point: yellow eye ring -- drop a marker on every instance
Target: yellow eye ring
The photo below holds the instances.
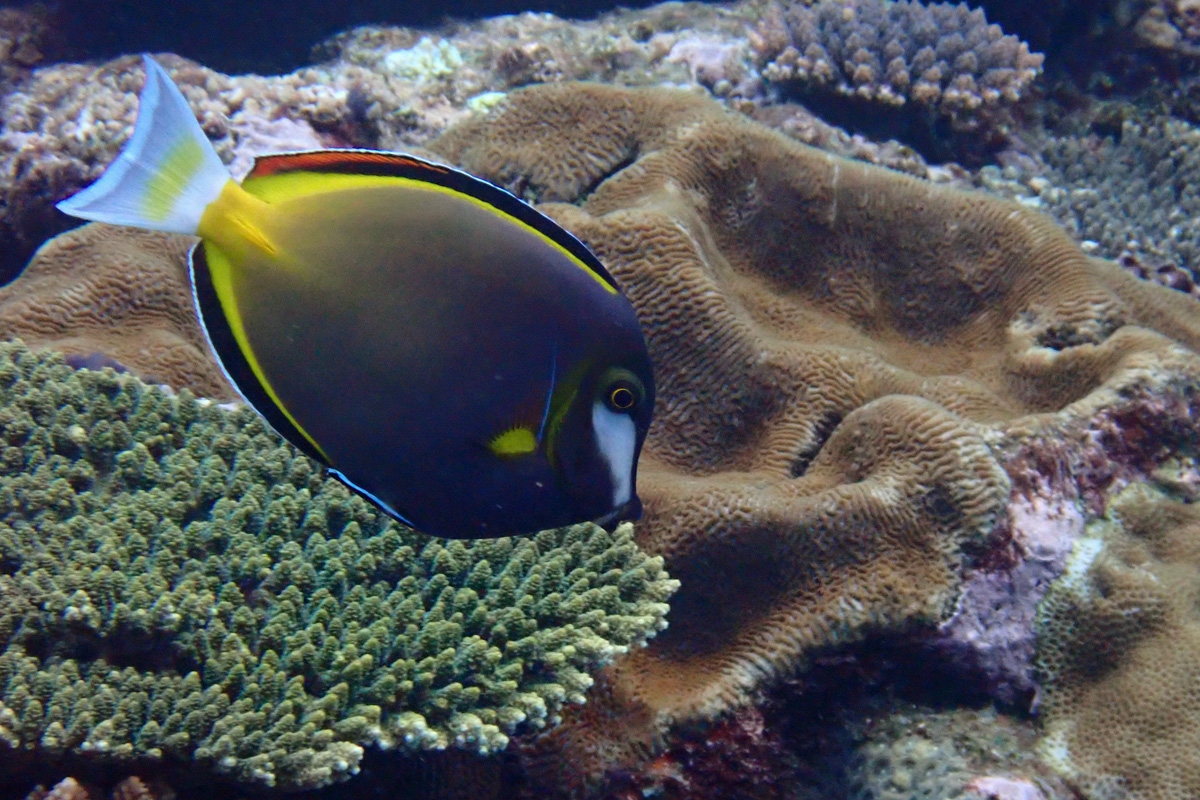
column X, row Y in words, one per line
column 622, row 398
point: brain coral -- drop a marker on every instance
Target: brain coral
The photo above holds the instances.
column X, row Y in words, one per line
column 139, row 311
column 845, row 354
column 177, row 583
column 942, row 56
column 1119, row 650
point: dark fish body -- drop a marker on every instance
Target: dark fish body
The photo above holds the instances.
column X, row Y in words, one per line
column 441, row 346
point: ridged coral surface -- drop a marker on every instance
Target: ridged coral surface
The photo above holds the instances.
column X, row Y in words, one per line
column 1119, row 647
column 139, row 313
column 844, row 355
column 176, row 582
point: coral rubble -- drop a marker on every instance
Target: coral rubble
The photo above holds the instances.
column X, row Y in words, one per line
column 177, row 583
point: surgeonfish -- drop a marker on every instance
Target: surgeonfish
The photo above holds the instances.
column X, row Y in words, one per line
column 442, row 347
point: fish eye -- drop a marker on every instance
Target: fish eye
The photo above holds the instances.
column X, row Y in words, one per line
column 621, row 391
column 621, row 398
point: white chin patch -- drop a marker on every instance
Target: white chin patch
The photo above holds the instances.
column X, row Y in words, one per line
column 617, row 437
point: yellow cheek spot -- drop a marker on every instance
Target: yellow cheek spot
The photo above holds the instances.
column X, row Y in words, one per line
column 513, row 442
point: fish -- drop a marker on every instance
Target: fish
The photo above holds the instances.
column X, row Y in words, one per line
column 439, row 345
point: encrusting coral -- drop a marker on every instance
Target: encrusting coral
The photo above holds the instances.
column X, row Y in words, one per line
column 1119, row 645
column 176, row 582
column 845, row 357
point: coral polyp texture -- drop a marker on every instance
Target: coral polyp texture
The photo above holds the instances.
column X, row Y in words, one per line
column 941, row 56
column 848, row 360
column 1135, row 194
column 1119, row 648
column 179, row 584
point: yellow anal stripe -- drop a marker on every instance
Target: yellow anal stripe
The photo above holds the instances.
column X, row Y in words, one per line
column 235, row 223
column 517, row 441
column 221, row 270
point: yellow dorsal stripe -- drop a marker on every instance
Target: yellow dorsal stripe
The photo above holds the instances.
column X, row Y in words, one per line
column 289, row 185
column 232, row 218
column 517, row 441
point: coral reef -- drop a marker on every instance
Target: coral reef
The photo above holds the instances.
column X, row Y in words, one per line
column 740, row 755
column 914, row 753
column 941, row 57
column 875, row 725
column 131, row 788
column 382, row 87
column 889, row 410
column 992, row 631
column 1171, row 25
column 138, row 313
column 858, row 370
column 1135, row 195
column 1119, row 641
column 909, row 767
column 391, row 88
column 24, row 34
column 844, row 357
column 178, row 583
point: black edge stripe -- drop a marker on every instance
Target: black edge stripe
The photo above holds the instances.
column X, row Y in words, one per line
column 419, row 169
column 237, row 369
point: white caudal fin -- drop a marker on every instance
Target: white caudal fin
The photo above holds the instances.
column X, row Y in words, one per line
column 168, row 173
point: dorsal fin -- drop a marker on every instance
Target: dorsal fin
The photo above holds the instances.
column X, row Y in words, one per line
column 354, row 162
column 408, row 167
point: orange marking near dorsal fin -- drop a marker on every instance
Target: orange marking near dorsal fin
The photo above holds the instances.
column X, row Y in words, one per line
column 347, row 161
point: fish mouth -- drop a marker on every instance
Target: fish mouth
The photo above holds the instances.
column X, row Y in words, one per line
column 626, row 512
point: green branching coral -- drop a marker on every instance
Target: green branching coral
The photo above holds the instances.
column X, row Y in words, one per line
column 176, row 582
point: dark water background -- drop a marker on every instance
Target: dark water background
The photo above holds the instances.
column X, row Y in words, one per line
column 276, row 36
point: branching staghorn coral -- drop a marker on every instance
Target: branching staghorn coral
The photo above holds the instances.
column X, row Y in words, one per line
column 175, row 582
column 939, row 56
